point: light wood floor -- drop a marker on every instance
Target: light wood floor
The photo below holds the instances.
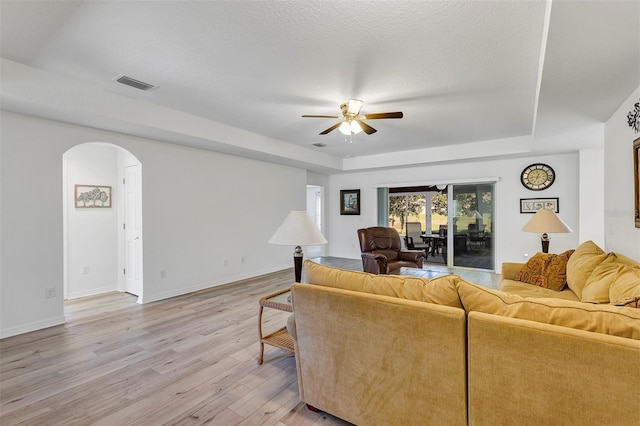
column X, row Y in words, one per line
column 187, row 360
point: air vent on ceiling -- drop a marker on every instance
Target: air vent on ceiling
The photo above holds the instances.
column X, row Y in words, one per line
column 319, row 144
column 141, row 85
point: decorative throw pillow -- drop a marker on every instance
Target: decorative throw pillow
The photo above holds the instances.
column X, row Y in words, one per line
column 581, row 265
column 625, row 289
column 596, row 289
column 546, row 270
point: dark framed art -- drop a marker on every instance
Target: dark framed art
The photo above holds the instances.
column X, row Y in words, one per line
column 636, row 180
column 349, row 201
column 532, row 205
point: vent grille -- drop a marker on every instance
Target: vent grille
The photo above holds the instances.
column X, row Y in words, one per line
column 137, row 84
column 319, row 144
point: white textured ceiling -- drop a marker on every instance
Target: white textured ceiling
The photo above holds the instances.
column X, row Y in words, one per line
column 461, row 71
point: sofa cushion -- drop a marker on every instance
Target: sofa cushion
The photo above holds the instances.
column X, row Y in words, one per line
column 441, row 290
column 625, row 290
column 546, row 270
column 528, row 290
column 605, row 319
column 596, row 288
column 581, row 264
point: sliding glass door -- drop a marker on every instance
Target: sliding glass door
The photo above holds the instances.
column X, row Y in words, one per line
column 472, row 223
column 457, row 220
column 405, row 208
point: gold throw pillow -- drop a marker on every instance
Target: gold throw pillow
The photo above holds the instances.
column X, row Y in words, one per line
column 581, row 265
column 625, row 289
column 596, row 289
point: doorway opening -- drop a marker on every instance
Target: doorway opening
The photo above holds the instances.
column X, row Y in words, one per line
column 102, row 241
column 315, row 208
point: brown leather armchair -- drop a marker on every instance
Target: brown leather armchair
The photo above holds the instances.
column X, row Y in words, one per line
column 382, row 251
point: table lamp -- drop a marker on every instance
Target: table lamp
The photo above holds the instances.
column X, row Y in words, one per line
column 298, row 230
column 546, row 221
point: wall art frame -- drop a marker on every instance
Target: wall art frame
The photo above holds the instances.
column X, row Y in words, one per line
column 92, row 196
column 532, row 205
column 350, row 201
column 636, row 181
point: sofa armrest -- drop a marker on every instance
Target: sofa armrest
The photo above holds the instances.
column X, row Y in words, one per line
column 374, row 263
column 291, row 327
column 510, row 270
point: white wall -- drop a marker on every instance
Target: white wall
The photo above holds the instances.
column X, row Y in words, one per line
column 621, row 235
column 591, row 180
column 511, row 243
column 91, row 233
column 200, row 208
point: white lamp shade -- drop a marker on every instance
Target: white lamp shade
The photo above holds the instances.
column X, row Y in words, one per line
column 546, row 221
column 298, row 230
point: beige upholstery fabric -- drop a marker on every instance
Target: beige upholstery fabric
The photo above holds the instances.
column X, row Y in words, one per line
column 596, row 288
column 528, row 290
column 530, row 374
column 605, row 319
column 581, row 264
column 377, row 360
column 510, row 270
column 441, row 290
column 626, row 287
column 374, row 357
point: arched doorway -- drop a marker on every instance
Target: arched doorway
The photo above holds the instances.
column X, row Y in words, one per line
column 102, row 229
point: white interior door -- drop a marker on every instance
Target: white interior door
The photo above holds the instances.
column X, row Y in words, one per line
column 133, row 229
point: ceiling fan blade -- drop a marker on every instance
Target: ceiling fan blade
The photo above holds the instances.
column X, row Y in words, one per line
column 320, row 116
column 335, row 126
column 366, row 128
column 379, row 115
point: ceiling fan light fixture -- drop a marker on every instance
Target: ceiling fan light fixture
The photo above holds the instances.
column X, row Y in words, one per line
column 350, row 128
column 354, row 106
column 352, row 122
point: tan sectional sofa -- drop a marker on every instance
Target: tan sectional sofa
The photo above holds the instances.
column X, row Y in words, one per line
column 401, row 350
column 593, row 276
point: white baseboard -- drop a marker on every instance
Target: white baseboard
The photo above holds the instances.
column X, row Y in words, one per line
column 34, row 326
column 91, row 292
column 202, row 286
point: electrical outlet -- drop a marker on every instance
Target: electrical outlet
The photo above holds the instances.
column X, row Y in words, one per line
column 85, row 270
column 242, row 259
column 226, row 262
column 49, row 292
column 163, row 274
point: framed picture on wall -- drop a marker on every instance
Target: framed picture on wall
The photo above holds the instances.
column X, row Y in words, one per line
column 92, row 196
column 532, row 205
column 350, row 201
column 636, row 180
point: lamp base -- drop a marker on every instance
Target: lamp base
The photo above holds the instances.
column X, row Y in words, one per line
column 297, row 263
column 545, row 243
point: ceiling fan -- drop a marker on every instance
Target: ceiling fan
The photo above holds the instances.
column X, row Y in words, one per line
column 351, row 120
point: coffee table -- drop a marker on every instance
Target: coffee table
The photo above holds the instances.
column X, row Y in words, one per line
column 280, row 300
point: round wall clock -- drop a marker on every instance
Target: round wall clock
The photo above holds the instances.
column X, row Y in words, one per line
column 537, row 177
